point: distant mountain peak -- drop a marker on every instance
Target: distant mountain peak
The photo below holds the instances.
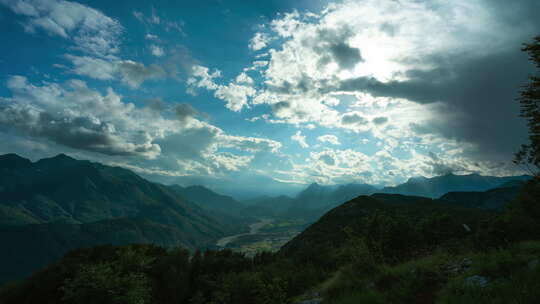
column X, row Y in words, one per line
column 11, row 156
column 14, row 161
column 314, row 184
column 199, row 187
column 439, row 185
column 63, row 157
column 58, row 159
column 417, row 179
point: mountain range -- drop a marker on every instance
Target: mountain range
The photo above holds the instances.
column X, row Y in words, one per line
column 330, row 230
column 321, row 198
column 210, row 200
column 437, row 186
column 56, row 204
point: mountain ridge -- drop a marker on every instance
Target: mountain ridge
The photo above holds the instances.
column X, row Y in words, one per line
column 83, row 196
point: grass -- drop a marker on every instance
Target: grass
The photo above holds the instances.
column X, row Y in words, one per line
column 362, row 296
column 513, row 276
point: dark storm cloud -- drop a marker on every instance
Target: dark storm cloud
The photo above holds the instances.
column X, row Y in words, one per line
column 189, row 144
column 82, row 133
column 285, row 108
column 380, row 120
column 334, row 47
column 135, row 73
column 279, row 106
column 156, row 104
column 439, row 167
column 475, row 97
column 346, row 56
column 184, row 111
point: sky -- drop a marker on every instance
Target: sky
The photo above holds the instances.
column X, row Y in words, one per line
column 265, row 97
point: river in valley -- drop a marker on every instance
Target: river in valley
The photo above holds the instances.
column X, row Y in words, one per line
column 253, row 229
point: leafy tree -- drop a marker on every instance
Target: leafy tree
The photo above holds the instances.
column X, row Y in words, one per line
column 104, row 283
column 529, row 100
column 122, row 281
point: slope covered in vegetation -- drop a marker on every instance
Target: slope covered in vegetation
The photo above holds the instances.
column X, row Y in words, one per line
column 381, row 249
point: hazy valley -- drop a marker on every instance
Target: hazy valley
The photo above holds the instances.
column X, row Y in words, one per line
column 58, row 204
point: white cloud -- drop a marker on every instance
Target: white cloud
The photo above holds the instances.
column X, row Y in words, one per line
column 244, row 78
column 236, row 96
column 259, row 41
column 156, row 50
column 135, row 73
column 250, row 144
column 331, row 139
column 77, row 117
column 92, row 67
column 300, row 139
column 201, row 77
column 151, row 37
column 92, row 31
column 130, row 72
column 319, row 56
column 154, row 20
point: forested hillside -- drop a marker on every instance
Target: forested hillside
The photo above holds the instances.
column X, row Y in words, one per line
column 60, row 203
column 379, row 249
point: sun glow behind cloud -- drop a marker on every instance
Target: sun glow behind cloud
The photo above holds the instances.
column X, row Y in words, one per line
column 359, row 91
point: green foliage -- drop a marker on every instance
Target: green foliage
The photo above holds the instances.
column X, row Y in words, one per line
column 530, row 109
column 513, row 276
column 171, row 275
column 520, row 222
column 364, row 296
column 122, row 280
column 388, row 237
column 149, row 274
column 366, row 251
column 106, row 283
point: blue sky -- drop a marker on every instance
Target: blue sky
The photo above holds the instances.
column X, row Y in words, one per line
column 267, row 96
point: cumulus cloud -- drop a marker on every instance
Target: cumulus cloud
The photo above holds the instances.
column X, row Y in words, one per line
column 420, row 82
column 353, row 119
column 336, row 166
column 331, row 139
column 244, row 78
column 130, row 72
column 156, row 50
column 235, row 94
column 440, row 56
column 134, row 73
column 381, row 120
column 162, row 136
column 92, row 31
column 300, row 139
column 259, row 41
column 77, row 117
column 250, row 144
column 201, row 77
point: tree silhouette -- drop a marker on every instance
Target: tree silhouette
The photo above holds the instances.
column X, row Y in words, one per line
column 529, row 100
